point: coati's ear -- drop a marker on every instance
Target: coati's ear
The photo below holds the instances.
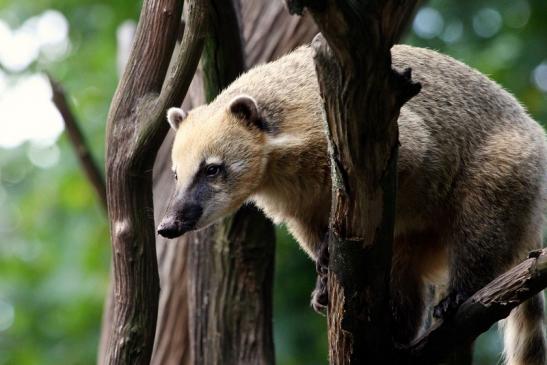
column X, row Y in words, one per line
column 175, row 116
column 246, row 108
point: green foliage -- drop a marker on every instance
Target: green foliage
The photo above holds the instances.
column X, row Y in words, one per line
column 54, row 246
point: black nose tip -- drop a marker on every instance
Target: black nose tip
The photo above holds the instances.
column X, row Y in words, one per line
column 168, row 231
column 170, row 228
column 175, row 225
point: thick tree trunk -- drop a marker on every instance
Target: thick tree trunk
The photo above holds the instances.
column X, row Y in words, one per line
column 230, row 286
column 363, row 96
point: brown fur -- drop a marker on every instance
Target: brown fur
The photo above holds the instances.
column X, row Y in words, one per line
column 472, row 176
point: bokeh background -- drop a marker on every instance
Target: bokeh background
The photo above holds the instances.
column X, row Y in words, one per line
column 54, row 245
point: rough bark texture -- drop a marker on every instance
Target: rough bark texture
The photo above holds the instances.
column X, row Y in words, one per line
column 476, row 315
column 230, row 278
column 231, row 264
column 135, row 131
column 363, row 96
column 268, row 32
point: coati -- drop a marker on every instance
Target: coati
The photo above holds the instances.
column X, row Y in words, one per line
column 472, row 177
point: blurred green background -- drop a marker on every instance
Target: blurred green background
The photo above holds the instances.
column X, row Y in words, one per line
column 54, row 246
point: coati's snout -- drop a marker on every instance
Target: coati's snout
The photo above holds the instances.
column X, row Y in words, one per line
column 176, row 223
column 218, row 161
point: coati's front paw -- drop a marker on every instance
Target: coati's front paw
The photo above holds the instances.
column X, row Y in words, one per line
column 320, row 296
column 449, row 305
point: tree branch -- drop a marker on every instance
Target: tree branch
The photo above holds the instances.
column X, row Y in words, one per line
column 183, row 66
column 363, row 96
column 77, row 139
column 476, row 315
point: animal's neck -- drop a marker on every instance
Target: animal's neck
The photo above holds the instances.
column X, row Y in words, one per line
column 296, row 179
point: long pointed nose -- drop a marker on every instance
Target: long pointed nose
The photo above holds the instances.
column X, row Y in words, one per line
column 176, row 224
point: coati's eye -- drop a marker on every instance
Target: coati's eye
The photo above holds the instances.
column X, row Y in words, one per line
column 212, row 170
column 175, row 175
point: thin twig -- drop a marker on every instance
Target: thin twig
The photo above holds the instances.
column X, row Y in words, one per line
column 78, row 141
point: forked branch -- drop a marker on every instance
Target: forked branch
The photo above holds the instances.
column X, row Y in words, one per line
column 135, row 131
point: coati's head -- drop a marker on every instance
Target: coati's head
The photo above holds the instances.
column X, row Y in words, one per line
column 218, row 160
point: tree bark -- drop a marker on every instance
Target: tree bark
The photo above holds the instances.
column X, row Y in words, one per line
column 363, row 96
column 135, row 130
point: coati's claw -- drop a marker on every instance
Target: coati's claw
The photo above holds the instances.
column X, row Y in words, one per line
column 448, row 306
column 320, row 296
column 319, row 302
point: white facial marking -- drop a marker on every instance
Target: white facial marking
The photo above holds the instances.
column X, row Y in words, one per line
column 213, row 160
column 185, row 178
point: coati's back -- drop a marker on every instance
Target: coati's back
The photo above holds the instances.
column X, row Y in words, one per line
column 461, row 128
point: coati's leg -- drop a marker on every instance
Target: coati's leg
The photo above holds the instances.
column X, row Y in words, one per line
column 479, row 250
column 475, row 265
column 407, row 296
column 483, row 244
column 409, row 293
column 320, row 295
column 495, row 220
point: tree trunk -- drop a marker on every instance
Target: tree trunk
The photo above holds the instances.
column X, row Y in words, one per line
column 135, row 130
column 363, row 96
